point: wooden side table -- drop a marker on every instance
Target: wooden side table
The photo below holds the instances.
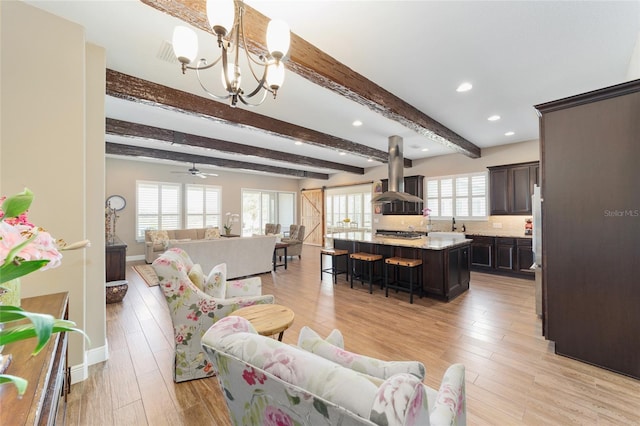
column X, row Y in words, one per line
column 267, row 319
column 116, row 259
column 47, row 372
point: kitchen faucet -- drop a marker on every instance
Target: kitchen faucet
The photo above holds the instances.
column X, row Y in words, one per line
column 453, row 224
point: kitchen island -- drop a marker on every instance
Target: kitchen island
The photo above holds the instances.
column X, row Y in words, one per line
column 446, row 262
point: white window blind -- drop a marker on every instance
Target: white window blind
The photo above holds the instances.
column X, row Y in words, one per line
column 349, row 202
column 157, row 206
column 202, row 206
column 459, row 196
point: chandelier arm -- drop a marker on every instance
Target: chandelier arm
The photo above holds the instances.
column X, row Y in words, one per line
column 204, row 67
column 242, row 99
column 210, row 93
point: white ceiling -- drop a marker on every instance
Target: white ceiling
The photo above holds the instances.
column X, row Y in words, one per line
column 516, row 54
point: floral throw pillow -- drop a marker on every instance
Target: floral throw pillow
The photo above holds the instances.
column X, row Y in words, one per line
column 310, row 341
column 159, row 238
column 197, row 276
column 216, row 283
column 212, row 233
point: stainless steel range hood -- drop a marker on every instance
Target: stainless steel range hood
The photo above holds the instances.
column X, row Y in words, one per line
column 396, row 176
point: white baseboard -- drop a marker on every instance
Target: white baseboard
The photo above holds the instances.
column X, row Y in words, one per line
column 135, row 257
column 80, row 372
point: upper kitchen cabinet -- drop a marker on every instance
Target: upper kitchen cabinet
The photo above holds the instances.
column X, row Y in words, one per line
column 511, row 188
column 413, row 185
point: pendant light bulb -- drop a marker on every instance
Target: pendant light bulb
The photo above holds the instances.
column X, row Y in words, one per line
column 185, row 44
column 221, row 15
column 278, row 38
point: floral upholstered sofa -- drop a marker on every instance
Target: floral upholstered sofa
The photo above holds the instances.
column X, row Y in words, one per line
column 267, row 382
column 196, row 302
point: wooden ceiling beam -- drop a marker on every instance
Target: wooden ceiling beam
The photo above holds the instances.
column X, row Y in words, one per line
column 135, row 130
column 318, row 67
column 136, row 151
column 135, row 89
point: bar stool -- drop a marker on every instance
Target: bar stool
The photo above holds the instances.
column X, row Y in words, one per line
column 399, row 262
column 335, row 255
column 369, row 259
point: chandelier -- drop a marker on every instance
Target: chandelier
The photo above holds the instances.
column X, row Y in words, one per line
column 226, row 20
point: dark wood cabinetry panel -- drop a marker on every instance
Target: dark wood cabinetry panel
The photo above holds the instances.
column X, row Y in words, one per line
column 115, row 260
column 503, row 255
column 591, row 223
column 511, row 188
column 524, row 256
column 505, row 252
column 482, row 252
column 413, row 185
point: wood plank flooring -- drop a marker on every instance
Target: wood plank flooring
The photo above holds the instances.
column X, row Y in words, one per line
column 513, row 376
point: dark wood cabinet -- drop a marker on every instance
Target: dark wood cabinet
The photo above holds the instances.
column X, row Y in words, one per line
column 501, row 255
column 505, row 253
column 115, row 259
column 413, row 185
column 590, row 227
column 47, row 372
column 511, row 188
column 524, row 256
column 482, row 252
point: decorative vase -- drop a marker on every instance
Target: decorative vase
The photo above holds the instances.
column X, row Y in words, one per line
column 11, row 294
column 227, row 231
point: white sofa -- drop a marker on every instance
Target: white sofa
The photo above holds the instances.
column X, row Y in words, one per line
column 244, row 256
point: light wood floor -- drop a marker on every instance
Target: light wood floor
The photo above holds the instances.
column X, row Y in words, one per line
column 513, row 376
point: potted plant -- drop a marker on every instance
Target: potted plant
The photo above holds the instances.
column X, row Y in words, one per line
column 25, row 248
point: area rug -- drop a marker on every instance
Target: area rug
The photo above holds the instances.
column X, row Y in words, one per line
column 147, row 273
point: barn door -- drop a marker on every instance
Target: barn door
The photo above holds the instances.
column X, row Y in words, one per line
column 312, row 206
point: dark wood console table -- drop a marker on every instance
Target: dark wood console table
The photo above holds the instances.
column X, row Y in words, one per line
column 46, row 372
column 116, row 259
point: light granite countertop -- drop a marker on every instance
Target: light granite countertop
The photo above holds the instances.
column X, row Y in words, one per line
column 427, row 243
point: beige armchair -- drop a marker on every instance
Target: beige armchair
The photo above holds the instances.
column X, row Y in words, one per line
column 295, row 239
column 271, row 228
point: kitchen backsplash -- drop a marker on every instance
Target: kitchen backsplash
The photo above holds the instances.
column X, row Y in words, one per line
column 512, row 226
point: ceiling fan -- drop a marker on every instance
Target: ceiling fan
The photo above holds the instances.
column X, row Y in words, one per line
column 193, row 171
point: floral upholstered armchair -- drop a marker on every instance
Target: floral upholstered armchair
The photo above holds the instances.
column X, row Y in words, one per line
column 196, row 302
column 265, row 381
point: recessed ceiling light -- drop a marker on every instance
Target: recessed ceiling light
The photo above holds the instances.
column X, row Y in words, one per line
column 343, row 153
column 464, row 87
column 370, row 160
column 425, row 149
column 509, row 134
column 494, row 118
column 298, row 143
column 357, row 123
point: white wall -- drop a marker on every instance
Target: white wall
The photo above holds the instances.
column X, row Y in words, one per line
column 44, row 128
column 634, row 63
column 122, row 175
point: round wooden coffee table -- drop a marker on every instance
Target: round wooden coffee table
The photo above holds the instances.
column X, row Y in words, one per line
column 267, row 319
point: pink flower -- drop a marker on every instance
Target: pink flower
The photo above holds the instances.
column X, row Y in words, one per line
column 273, row 416
column 426, row 211
column 282, row 365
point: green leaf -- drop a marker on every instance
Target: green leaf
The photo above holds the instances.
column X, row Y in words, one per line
column 11, row 270
column 320, row 407
column 41, row 327
column 16, row 205
column 19, row 382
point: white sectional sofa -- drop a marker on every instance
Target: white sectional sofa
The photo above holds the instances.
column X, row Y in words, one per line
column 243, row 255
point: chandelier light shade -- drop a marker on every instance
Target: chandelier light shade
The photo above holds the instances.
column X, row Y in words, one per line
column 226, row 20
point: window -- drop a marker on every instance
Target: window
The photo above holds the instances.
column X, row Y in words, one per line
column 353, row 203
column 202, row 206
column 459, row 196
column 158, row 206
column 262, row 207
